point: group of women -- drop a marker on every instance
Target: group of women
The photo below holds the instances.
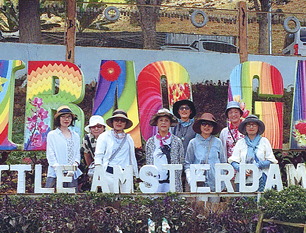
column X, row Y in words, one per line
column 180, row 140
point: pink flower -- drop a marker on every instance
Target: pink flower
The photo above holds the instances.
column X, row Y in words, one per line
column 242, row 105
column 36, row 140
column 37, row 102
column 42, row 127
column 27, row 160
column 32, row 122
column 42, row 113
column 245, row 113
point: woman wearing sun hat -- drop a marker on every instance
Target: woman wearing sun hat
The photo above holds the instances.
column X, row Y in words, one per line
column 185, row 111
column 63, row 147
column 253, row 149
column 165, row 148
column 95, row 127
column 230, row 134
column 115, row 147
column 205, row 148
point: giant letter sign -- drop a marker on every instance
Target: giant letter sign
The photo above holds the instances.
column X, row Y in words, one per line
column 149, row 90
column 118, row 77
column 270, row 85
column 41, row 99
column 7, row 87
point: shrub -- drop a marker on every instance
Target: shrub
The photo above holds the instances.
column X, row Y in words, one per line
column 97, row 212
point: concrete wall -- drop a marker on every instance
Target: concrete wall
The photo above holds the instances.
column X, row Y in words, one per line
column 200, row 66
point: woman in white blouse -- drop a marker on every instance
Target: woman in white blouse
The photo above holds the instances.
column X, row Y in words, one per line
column 253, row 149
column 63, row 147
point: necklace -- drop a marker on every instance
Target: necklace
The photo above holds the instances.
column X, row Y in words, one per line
column 184, row 131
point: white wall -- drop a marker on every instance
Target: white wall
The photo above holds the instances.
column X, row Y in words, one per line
column 200, row 66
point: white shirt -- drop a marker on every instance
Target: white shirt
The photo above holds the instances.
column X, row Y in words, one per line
column 57, row 151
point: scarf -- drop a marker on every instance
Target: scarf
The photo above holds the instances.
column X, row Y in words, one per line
column 118, row 135
column 185, row 123
column 163, row 139
column 252, row 146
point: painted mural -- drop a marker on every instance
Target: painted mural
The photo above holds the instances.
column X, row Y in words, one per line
column 270, row 85
column 149, row 91
column 298, row 123
column 8, row 69
column 50, row 85
column 117, row 84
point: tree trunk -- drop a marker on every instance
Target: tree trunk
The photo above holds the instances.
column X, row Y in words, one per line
column 263, row 27
column 148, row 19
column 29, row 21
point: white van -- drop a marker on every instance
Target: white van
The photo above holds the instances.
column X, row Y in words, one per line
column 295, row 43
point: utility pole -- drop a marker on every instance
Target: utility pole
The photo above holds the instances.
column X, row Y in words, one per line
column 243, row 32
column 70, row 42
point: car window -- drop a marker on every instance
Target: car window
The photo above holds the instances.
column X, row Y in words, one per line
column 219, row 47
column 195, row 45
column 303, row 35
column 289, row 39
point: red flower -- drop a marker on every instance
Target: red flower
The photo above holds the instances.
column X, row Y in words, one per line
column 110, row 71
column 301, row 127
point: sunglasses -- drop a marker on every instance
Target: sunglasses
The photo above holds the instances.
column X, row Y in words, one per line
column 96, row 126
column 204, row 123
column 184, row 108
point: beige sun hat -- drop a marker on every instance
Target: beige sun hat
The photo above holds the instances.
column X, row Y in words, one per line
column 163, row 112
column 64, row 110
column 206, row 117
column 119, row 113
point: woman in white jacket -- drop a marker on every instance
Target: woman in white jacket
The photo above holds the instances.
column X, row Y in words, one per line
column 253, row 149
column 115, row 147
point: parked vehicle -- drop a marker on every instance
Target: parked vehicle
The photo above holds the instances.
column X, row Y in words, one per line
column 203, row 45
column 295, row 43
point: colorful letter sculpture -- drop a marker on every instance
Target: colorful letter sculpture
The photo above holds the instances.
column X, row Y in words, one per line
column 42, row 100
column 270, row 85
column 298, row 120
column 118, row 77
column 8, row 69
column 149, row 91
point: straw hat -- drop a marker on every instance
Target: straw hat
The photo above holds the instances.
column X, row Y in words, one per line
column 119, row 113
column 95, row 120
column 233, row 104
column 163, row 112
column 206, row 117
column 64, row 110
column 251, row 118
column 178, row 104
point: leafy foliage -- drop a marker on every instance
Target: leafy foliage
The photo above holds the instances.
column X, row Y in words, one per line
column 288, row 205
column 8, row 17
column 96, row 212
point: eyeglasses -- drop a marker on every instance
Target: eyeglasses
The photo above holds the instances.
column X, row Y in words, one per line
column 184, row 108
column 204, row 123
column 119, row 120
column 96, row 126
column 253, row 125
column 66, row 116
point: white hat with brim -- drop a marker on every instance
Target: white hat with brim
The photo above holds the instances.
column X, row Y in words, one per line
column 93, row 121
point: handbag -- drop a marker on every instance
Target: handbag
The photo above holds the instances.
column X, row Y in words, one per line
column 91, row 167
